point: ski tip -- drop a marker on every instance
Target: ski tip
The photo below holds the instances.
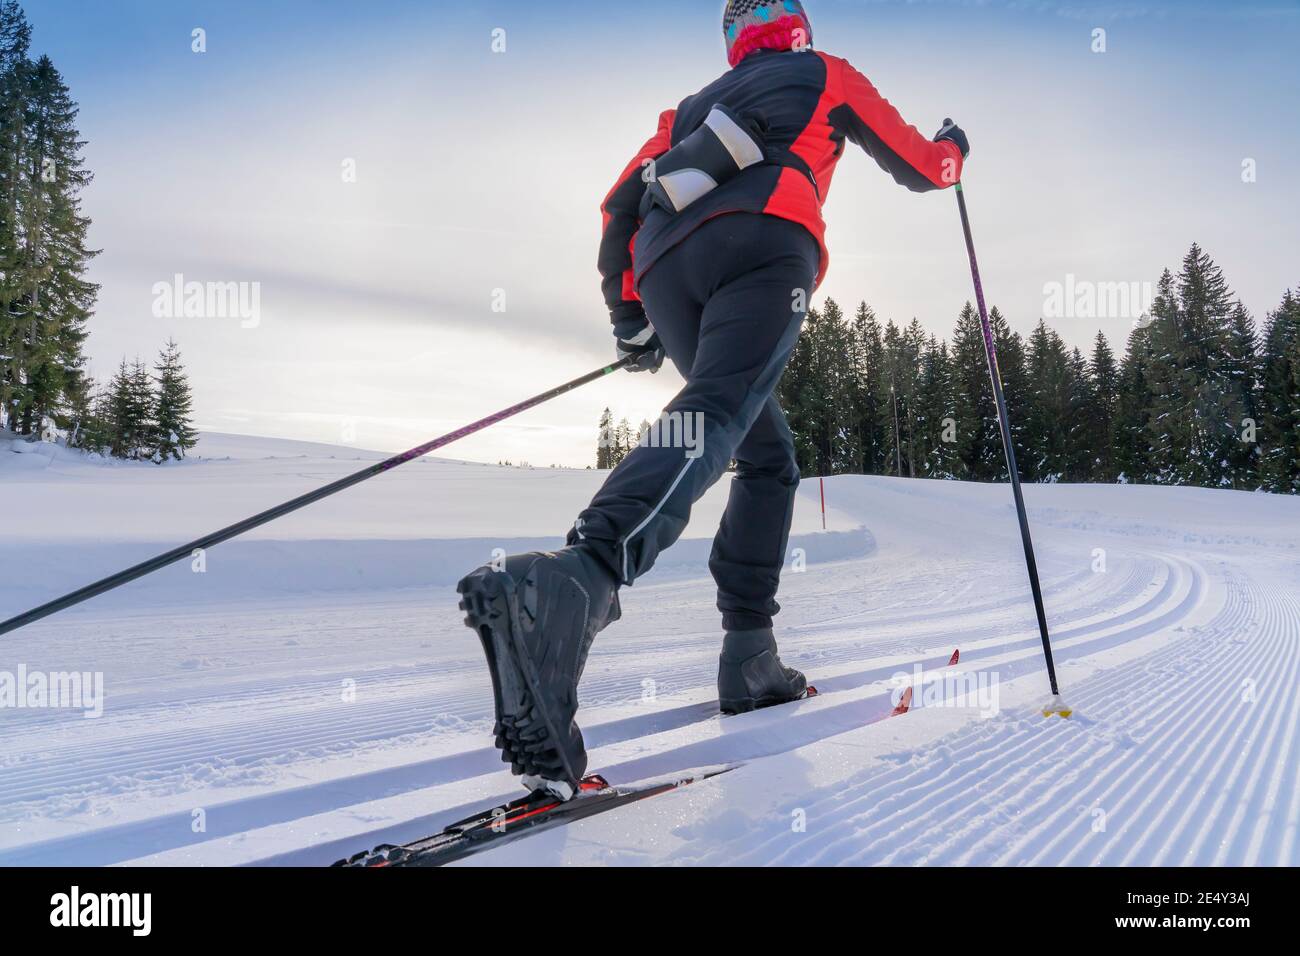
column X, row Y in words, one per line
column 956, row 656
column 811, row 692
column 672, row 781
column 904, row 703
column 704, row 773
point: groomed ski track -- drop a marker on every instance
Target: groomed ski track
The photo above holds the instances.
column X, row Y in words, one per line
column 1180, row 658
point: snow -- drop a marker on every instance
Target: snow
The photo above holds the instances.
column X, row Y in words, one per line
column 314, row 692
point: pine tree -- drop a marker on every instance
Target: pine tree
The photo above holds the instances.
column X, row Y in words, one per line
column 1197, row 401
column 1133, row 414
column 1154, row 398
column 1053, row 394
column 832, row 394
column 81, row 414
column 1242, row 372
column 57, row 299
column 1102, row 411
column 145, row 408
column 624, row 441
column 816, row 393
column 934, row 412
column 978, row 451
column 605, row 440
column 1080, row 449
column 1279, row 399
column 130, row 406
column 867, row 371
column 96, row 432
column 15, row 38
column 44, row 300
column 175, row 434
column 121, row 419
column 903, row 350
column 1015, row 389
column 914, row 345
column 894, row 401
column 1223, row 401
column 796, row 394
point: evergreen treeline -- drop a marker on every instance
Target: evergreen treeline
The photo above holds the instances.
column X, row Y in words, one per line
column 44, row 299
column 138, row 415
column 1200, row 397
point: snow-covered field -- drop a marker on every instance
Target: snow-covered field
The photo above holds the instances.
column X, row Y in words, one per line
column 313, row 691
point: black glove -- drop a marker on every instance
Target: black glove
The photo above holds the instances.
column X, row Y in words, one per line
column 645, row 346
column 636, row 336
column 953, row 134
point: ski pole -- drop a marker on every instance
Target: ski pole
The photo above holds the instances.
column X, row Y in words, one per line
column 1004, row 421
column 225, row 534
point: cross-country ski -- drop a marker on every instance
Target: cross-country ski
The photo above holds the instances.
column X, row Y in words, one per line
column 534, row 813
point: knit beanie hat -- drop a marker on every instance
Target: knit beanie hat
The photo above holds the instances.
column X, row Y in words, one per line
column 750, row 25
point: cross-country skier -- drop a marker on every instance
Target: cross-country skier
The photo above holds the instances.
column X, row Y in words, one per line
column 712, row 245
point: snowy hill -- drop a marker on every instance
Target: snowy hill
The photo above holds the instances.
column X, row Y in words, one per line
column 314, row 692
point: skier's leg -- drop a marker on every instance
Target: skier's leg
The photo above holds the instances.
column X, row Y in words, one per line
column 749, row 548
column 748, row 553
column 538, row 614
column 754, row 273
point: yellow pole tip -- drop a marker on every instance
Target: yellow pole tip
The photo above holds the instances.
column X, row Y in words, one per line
column 1056, row 707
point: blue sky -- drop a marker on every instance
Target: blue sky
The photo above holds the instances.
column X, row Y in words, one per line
column 478, row 175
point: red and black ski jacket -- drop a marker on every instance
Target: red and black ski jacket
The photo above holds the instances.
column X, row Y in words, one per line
column 811, row 103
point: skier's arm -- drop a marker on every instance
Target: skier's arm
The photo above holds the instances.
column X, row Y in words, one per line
column 620, row 221
column 870, row 121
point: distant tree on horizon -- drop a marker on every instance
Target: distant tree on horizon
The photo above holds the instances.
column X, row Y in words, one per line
column 174, row 406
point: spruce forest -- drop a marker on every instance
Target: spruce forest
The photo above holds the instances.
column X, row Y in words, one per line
column 1199, row 397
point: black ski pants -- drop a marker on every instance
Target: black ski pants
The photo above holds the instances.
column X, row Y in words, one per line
column 728, row 303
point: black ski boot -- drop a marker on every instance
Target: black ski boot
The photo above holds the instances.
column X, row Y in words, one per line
column 750, row 675
column 537, row 618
